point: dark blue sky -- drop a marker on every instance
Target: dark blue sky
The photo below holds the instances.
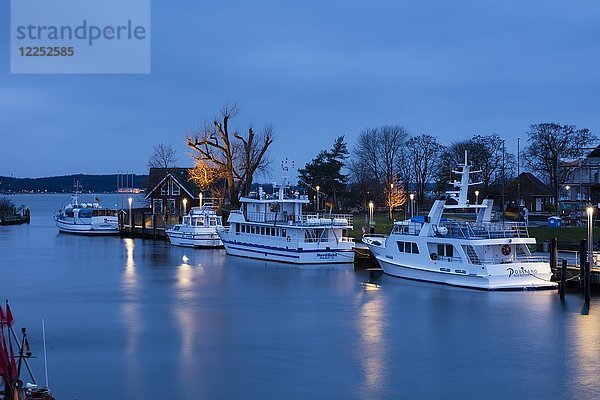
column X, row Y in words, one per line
column 315, row 70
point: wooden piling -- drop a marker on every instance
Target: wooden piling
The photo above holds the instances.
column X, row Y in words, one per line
column 553, row 254
column 587, row 282
column 563, row 279
column 154, row 226
column 582, row 263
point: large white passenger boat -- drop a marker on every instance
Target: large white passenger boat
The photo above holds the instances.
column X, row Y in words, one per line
column 86, row 218
column 476, row 254
column 274, row 227
column 198, row 229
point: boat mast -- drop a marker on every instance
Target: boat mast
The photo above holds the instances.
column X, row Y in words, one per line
column 45, row 356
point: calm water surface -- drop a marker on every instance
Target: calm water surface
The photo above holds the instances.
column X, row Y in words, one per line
column 133, row 319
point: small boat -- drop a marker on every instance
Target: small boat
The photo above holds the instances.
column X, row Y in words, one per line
column 86, row 218
column 15, row 354
column 274, row 227
column 478, row 254
column 198, row 228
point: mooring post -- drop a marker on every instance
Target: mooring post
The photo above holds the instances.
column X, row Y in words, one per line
column 553, row 254
column 587, row 282
column 154, row 226
column 582, row 262
column 563, row 279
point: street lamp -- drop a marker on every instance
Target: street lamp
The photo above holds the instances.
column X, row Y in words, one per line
column 371, row 206
column 317, row 198
column 412, row 205
column 184, row 205
column 477, row 197
column 590, row 252
column 130, row 200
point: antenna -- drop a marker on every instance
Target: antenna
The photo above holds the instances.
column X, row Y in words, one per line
column 45, row 356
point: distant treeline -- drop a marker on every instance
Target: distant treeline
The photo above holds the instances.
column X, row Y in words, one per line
column 62, row 184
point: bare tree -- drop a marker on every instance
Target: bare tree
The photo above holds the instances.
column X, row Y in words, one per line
column 549, row 144
column 163, row 156
column 378, row 159
column 235, row 156
column 424, row 154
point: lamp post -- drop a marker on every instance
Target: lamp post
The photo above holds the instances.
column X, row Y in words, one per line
column 590, row 254
column 184, row 206
column 371, row 206
column 391, row 201
column 130, row 200
column 317, row 198
column 477, row 197
column 412, row 205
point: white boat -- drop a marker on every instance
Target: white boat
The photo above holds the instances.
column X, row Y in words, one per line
column 86, row 218
column 274, row 227
column 198, row 229
column 477, row 254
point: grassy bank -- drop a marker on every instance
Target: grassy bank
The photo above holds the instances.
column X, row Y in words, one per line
column 566, row 236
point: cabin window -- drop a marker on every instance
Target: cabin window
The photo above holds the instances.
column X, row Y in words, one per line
column 445, row 250
column 408, row 247
column 283, row 232
column 212, row 221
column 175, row 190
column 157, row 206
column 172, row 209
column 262, row 230
column 237, row 229
column 164, row 189
column 272, row 231
column 253, row 230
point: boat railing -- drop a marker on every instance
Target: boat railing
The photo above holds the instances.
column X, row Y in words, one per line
column 316, row 220
column 473, row 230
column 407, row 228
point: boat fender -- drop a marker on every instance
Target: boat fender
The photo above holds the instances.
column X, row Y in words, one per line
column 433, row 256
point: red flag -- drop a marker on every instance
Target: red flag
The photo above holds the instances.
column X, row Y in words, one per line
column 3, row 352
column 13, row 362
column 9, row 316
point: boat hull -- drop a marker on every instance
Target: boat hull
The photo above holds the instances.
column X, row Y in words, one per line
column 288, row 255
column 88, row 229
column 503, row 281
column 203, row 240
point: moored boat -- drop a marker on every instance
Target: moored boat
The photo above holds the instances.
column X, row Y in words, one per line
column 15, row 354
column 198, row 228
column 274, row 227
column 86, row 218
column 477, row 254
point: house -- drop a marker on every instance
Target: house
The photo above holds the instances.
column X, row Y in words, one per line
column 581, row 183
column 535, row 194
column 170, row 193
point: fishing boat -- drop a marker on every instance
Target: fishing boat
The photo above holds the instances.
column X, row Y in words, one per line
column 274, row 227
column 478, row 254
column 15, row 354
column 86, row 218
column 198, row 228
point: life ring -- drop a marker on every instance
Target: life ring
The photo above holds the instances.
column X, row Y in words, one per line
column 506, row 249
column 289, row 239
column 433, row 256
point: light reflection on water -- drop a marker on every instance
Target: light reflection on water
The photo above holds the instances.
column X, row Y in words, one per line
column 146, row 320
column 373, row 340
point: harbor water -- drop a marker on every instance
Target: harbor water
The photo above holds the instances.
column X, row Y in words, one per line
column 139, row 319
